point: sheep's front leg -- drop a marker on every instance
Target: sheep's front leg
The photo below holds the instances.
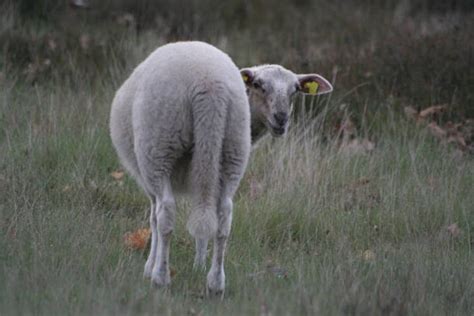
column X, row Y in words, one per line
column 165, row 218
column 201, row 254
column 216, row 276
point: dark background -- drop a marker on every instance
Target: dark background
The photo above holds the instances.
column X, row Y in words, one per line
column 414, row 53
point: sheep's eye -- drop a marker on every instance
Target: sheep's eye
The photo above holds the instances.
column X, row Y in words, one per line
column 258, row 85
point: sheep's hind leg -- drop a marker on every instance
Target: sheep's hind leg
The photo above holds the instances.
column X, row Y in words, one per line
column 150, row 262
column 234, row 161
column 165, row 218
column 232, row 171
column 216, row 275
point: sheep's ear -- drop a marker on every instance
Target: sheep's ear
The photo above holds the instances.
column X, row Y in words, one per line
column 314, row 84
column 247, row 76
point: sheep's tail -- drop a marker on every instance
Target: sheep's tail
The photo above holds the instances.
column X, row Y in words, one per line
column 209, row 119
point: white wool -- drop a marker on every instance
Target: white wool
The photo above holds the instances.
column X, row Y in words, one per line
column 182, row 122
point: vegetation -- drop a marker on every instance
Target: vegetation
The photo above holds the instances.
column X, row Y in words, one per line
column 359, row 210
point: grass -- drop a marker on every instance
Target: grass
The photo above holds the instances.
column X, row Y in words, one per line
column 317, row 229
column 352, row 233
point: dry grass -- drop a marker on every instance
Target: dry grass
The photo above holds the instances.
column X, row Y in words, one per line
column 320, row 227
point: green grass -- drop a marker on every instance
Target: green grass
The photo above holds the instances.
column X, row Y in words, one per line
column 304, row 206
column 317, row 230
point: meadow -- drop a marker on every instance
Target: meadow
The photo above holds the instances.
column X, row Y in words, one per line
column 359, row 210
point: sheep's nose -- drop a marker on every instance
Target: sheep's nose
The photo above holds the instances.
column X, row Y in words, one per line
column 281, row 118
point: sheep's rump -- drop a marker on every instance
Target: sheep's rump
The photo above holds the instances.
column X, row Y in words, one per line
column 172, row 115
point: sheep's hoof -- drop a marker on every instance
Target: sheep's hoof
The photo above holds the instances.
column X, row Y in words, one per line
column 147, row 272
column 215, row 293
column 161, row 281
column 215, row 283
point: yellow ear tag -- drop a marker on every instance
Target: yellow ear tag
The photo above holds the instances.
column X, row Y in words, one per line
column 311, row 87
column 245, row 77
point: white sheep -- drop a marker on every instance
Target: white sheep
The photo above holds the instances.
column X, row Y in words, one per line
column 182, row 123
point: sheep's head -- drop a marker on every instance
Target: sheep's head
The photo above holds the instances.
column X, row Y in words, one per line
column 271, row 89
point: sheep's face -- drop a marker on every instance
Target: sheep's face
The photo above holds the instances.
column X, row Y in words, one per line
column 271, row 89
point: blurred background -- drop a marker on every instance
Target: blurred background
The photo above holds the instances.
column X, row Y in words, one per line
column 417, row 53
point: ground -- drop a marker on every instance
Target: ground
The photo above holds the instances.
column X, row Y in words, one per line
column 359, row 210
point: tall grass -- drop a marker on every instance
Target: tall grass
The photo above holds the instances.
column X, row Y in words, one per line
column 352, row 232
column 317, row 229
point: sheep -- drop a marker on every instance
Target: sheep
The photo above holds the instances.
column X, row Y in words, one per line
column 184, row 122
column 270, row 90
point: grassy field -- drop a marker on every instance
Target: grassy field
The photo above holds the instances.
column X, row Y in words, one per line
column 320, row 227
